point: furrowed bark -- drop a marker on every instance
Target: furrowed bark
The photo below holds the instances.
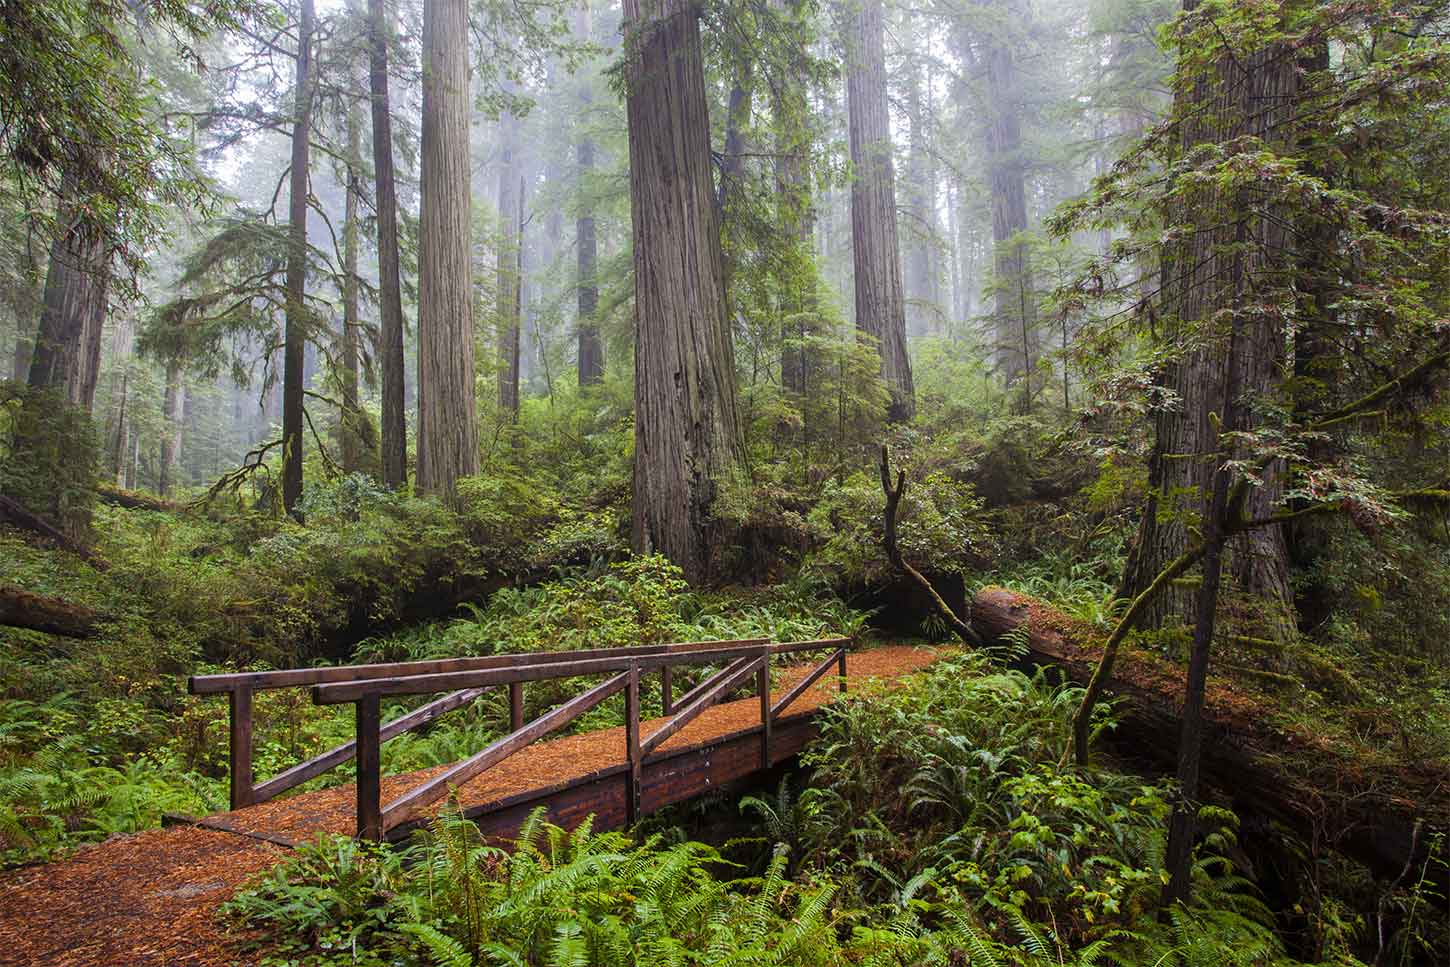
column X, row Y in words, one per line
column 390, row 301
column 687, row 438
column 880, row 298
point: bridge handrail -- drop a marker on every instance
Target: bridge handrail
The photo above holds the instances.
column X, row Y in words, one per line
column 322, row 674
column 467, row 678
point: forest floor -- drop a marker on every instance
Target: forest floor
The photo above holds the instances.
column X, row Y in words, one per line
column 1360, row 792
column 151, row 899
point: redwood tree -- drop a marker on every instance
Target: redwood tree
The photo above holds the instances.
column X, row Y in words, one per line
column 591, row 347
column 687, row 438
column 67, row 349
column 390, row 299
column 295, row 339
column 447, row 417
column 880, row 298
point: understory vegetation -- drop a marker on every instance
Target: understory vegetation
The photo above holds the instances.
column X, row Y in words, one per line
column 937, row 824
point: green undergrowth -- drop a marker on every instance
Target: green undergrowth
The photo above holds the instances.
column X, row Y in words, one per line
column 936, row 827
column 98, row 737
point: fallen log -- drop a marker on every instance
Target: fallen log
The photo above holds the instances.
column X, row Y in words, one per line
column 134, row 499
column 1365, row 812
column 36, row 612
column 11, row 512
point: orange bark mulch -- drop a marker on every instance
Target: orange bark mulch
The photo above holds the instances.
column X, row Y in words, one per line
column 150, row 900
column 147, row 900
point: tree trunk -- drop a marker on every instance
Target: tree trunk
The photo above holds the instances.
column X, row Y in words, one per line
column 22, row 609
column 66, row 354
column 295, row 350
column 1196, row 287
column 687, row 439
column 921, row 287
column 171, row 432
column 880, row 300
column 350, row 419
column 390, row 297
column 590, row 360
column 509, row 284
column 121, row 349
column 447, row 414
column 1014, row 305
column 797, row 219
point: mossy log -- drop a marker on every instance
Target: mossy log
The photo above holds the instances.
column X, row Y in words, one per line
column 134, row 499
column 1365, row 811
column 36, row 612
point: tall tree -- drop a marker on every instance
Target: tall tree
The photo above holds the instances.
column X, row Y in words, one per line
column 792, row 134
column 1239, row 97
column 172, row 408
column 687, row 438
column 350, row 420
column 390, row 292
column 992, row 55
column 295, row 339
column 67, row 349
column 447, row 415
column 591, row 348
column 508, row 289
column 922, row 289
column 880, row 299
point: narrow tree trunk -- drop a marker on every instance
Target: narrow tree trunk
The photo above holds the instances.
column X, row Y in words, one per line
column 390, row 299
column 590, row 362
column 687, row 440
column 880, row 299
column 1014, row 304
column 171, row 432
column 447, row 414
column 67, row 350
column 508, row 286
column 349, row 420
column 121, row 360
column 921, row 234
column 797, row 219
column 295, row 350
column 737, row 117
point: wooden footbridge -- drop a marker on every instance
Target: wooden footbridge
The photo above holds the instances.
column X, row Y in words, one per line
column 150, row 899
column 644, row 775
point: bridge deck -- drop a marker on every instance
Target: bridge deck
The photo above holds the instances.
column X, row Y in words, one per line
column 149, row 900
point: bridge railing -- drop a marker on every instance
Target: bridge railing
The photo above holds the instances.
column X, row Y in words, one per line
column 465, row 679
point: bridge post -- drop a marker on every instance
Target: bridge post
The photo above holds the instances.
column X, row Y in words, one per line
column 762, row 685
column 841, row 667
column 516, row 706
column 631, row 737
column 369, row 775
column 667, row 690
column 241, row 746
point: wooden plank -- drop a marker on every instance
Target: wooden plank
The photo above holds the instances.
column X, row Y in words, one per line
column 337, row 755
column 800, row 687
column 342, row 692
column 293, row 677
column 401, row 809
column 841, row 661
column 727, row 680
column 369, row 770
column 667, row 690
column 632, row 754
column 240, row 748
